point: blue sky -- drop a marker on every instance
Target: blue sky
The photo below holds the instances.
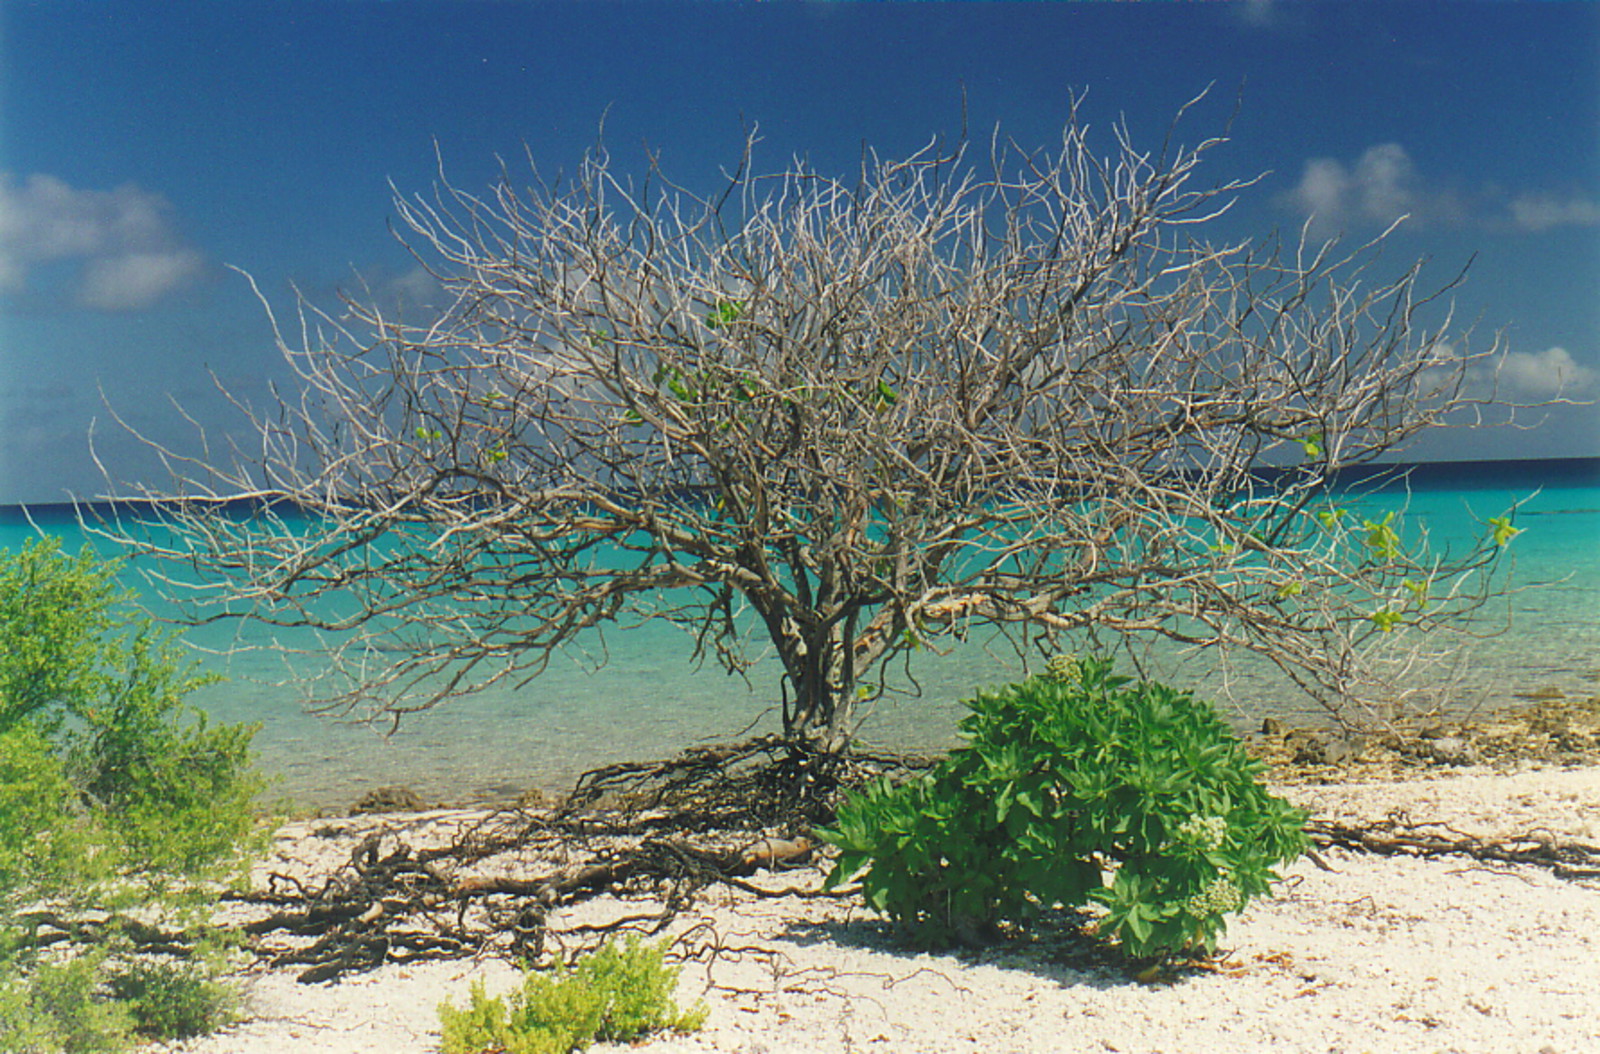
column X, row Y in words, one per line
column 145, row 147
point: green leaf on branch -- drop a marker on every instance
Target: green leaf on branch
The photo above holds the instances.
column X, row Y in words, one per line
column 1418, row 591
column 1501, row 531
column 679, row 386
column 1382, row 539
column 726, row 311
column 884, row 396
column 1312, row 445
column 1386, row 621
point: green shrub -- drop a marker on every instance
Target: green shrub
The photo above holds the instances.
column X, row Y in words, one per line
column 58, row 1008
column 180, row 792
column 46, row 842
column 87, row 1003
column 117, row 800
column 173, row 1000
column 107, row 695
column 1079, row 787
column 54, row 613
column 619, row 993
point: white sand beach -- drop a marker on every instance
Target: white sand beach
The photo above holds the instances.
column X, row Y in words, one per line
column 1387, row 954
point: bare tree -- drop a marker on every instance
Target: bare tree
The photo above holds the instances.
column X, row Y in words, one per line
column 840, row 421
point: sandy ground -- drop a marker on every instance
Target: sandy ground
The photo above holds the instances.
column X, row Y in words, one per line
column 1381, row 954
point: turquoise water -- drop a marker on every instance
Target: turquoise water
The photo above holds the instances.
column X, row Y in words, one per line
column 646, row 700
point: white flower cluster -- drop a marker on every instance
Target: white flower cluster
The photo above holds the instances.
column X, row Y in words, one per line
column 1203, row 832
column 1063, row 668
column 1218, row 898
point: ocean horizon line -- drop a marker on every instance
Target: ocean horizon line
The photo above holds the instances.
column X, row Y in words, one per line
column 1485, row 473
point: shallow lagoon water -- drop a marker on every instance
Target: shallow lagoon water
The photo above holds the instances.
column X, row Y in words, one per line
column 647, row 700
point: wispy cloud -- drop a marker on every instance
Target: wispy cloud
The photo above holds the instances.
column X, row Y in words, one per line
column 1545, row 375
column 414, row 294
column 1257, row 12
column 134, row 280
column 128, row 249
column 1540, row 212
column 1384, row 184
column 416, row 287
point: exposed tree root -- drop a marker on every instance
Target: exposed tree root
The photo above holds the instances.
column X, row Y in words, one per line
column 633, row 845
column 766, row 781
column 643, row 839
column 1397, row 835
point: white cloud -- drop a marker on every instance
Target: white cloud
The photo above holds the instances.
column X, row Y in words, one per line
column 129, row 250
column 13, row 274
column 1383, row 184
column 132, row 281
column 1540, row 212
column 1544, row 374
column 1379, row 188
column 1322, row 189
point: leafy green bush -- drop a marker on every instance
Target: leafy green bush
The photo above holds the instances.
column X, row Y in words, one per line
column 54, row 612
column 173, row 1000
column 619, row 993
column 58, row 1006
column 45, row 841
column 180, row 792
column 105, row 694
column 1076, row 787
column 118, row 802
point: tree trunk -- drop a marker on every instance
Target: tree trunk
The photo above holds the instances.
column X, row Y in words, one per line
column 824, row 701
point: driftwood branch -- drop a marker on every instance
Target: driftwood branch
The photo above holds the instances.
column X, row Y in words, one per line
column 1397, row 835
column 646, row 838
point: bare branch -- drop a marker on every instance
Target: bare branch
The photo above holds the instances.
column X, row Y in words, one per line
column 844, row 421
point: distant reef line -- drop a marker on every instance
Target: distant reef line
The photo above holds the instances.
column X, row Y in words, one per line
column 1505, row 474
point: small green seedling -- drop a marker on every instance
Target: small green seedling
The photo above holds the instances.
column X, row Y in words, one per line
column 619, row 993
